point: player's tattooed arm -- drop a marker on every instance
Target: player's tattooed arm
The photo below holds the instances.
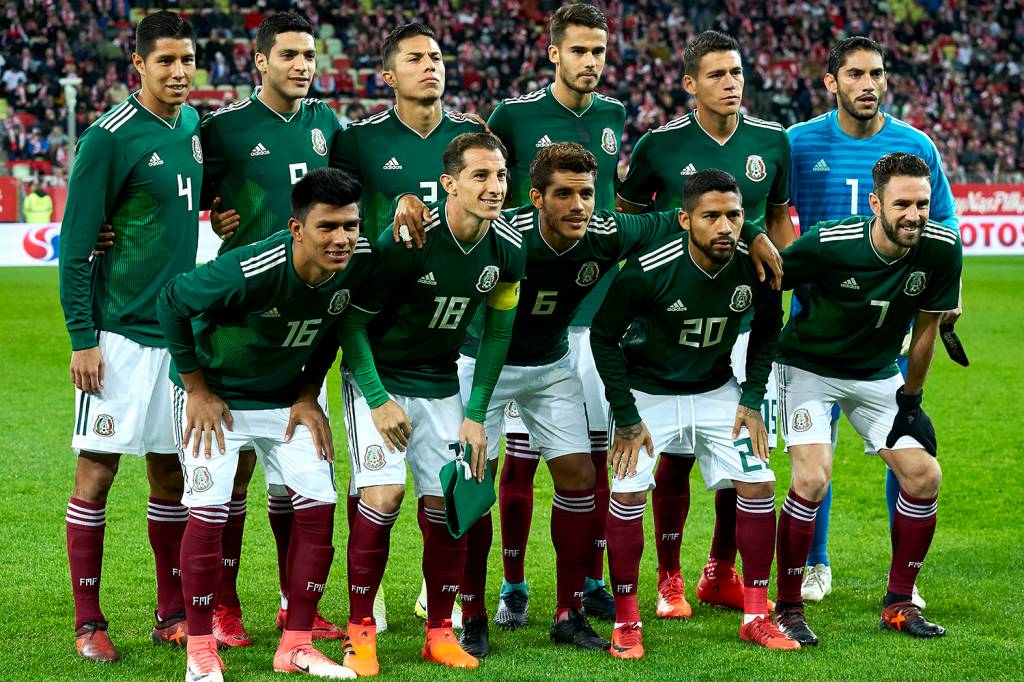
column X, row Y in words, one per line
column 626, row 445
column 767, row 260
column 754, row 423
column 204, row 413
column 411, row 214
column 306, row 410
column 393, row 424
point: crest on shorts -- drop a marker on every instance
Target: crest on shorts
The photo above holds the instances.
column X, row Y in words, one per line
column 511, row 410
column 741, row 299
column 801, row 420
column 488, row 278
column 915, row 283
column 319, row 142
column 201, row 480
column 197, row 149
column 756, row 170
column 373, row 458
column 339, row 301
column 588, row 274
column 104, row 425
column 608, row 141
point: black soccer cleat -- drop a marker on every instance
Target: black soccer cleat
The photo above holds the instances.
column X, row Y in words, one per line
column 792, row 623
column 904, row 616
column 476, row 636
column 599, row 603
column 575, row 630
column 513, row 610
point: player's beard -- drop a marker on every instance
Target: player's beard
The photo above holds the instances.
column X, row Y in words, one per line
column 892, row 231
column 716, row 257
column 851, row 108
column 583, row 90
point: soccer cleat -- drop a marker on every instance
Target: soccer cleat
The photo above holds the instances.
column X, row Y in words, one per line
column 421, row 608
column 575, row 630
column 322, row 628
column 361, row 649
column 905, row 616
column 442, row 647
column 380, row 611
column 763, row 631
column 513, row 610
column 306, row 659
column 717, row 587
column 599, row 603
column 917, row 599
column 817, row 582
column 93, row 642
column 228, row 627
column 203, row 663
column 793, row 624
column 672, row 598
column 476, row 636
column 172, row 630
column 627, row 641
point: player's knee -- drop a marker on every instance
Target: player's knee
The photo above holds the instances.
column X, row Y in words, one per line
column 631, row 499
column 756, row 491
column 386, row 499
column 926, row 480
column 811, row 482
column 573, row 472
column 94, row 475
column 165, row 479
column 246, row 467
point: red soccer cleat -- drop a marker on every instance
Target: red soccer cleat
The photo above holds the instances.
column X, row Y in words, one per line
column 763, row 631
column 322, row 628
column 720, row 585
column 672, row 598
column 627, row 641
column 228, row 627
column 93, row 642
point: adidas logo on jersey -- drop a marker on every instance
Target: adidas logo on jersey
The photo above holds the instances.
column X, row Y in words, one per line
column 821, row 167
column 428, row 279
column 543, row 142
column 271, row 313
column 259, row 150
column 689, row 170
column 850, row 284
column 155, row 160
column 676, row 307
column 392, row 164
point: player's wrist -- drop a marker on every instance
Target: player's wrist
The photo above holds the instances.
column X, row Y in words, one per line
column 83, row 339
column 751, row 400
column 908, row 401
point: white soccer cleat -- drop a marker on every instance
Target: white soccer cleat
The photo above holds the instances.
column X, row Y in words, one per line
column 817, row 582
column 421, row 608
column 917, row 599
column 204, row 664
column 380, row 611
column 306, row 659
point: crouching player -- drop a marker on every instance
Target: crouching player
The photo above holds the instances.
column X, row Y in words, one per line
column 240, row 329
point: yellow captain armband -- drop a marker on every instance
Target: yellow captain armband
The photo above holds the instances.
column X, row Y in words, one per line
column 504, row 296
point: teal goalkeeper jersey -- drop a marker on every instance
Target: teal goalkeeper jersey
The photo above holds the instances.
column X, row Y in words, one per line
column 142, row 175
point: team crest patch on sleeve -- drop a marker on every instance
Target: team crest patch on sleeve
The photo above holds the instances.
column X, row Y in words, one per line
column 339, row 301
column 488, row 279
column 374, row 459
column 197, row 149
column 511, row 410
column 202, row 480
column 588, row 274
column 801, row 420
column 756, row 170
column 319, row 142
column 609, row 143
column 742, row 297
column 915, row 283
column 103, row 426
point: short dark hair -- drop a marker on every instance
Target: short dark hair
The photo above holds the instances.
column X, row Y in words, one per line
column 454, row 153
column 329, row 186
column 839, row 52
column 162, row 24
column 398, row 35
column 898, row 163
column 285, row 22
column 704, row 44
column 568, row 157
column 708, row 180
column 580, row 14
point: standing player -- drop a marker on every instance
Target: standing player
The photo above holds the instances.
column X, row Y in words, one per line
column 240, row 329
column 138, row 168
column 833, row 155
column 871, row 277
column 662, row 343
column 756, row 153
column 256, row 150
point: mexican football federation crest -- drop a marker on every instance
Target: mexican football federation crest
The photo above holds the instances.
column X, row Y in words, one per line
column 511, row 410
column 197, row 149
column 339, row 301
column 488, row 278
column 588, row 274
column 741, row 299
column 104, row 425
column 374, row 459
column 801, row 420
column 609, row 143
column 319, row 142
column 201, row 480
column 756, row 170
column 915, row 283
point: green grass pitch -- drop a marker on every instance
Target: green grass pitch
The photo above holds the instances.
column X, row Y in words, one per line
column 972, row 580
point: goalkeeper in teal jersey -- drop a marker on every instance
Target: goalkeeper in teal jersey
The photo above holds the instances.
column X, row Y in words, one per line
column 869, row 277
column 138, row 168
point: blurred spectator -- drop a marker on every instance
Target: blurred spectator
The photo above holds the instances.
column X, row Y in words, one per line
column 38, row 206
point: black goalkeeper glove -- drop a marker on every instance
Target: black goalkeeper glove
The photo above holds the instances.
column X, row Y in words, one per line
column 912, row 421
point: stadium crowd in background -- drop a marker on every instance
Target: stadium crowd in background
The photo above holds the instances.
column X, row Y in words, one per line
column 954, row 70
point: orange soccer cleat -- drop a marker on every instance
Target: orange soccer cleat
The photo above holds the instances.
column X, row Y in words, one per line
column 672, row 598
column 361, row 648
column 303, row 657
column 763, row 631
column 322, row 628
column 627, row 641
column 203, row 662
column 442, row 646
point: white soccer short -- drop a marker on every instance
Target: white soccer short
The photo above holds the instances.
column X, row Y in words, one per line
column 435, row 430
column 294, row 464
column 770, row 406
column 549, row 401
column 593, row 388
column 132, row 412
column 808, row 399
column 702, row 424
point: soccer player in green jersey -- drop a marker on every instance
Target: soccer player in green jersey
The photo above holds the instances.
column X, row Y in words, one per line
column 871, row 276
column 240, row 330
column 662, row 343
column 138, row 168
column 756, row 152
column 400, row 346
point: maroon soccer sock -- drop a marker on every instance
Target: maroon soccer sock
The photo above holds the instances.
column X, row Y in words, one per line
column 369, row 543
column 912, row 532
column 444, row 561
column 474, row 577
column 280, row 513
column 351, row 509
column 723, row 542
column 599, row 455
column 671, row 502
column 200, row 565
column 515, row 503
column 231, row 552
column 755, row 535
column 625, row 529
column 796, row 530
column 309, row 560
column 86, row 522
column 166, row 520
column 572, row 534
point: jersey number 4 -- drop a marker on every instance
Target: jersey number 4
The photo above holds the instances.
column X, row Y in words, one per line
column 185, row 189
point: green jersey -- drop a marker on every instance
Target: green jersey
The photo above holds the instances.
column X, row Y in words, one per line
column 253, row 157
column 858, row 304
column 424, row 299
column 667, row 327
column 250, row 323
column 389, row 158
column 142, row 175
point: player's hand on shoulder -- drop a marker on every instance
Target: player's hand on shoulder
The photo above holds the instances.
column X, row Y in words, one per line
column 767, row 260
column 626, row 445
column 753, row 420
column 87, row 369
column 224, row 223
column 104, row 241
column 472, row 433
column 393, row 424
column 411, row 215
column 204, row 413
column 306, row 411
